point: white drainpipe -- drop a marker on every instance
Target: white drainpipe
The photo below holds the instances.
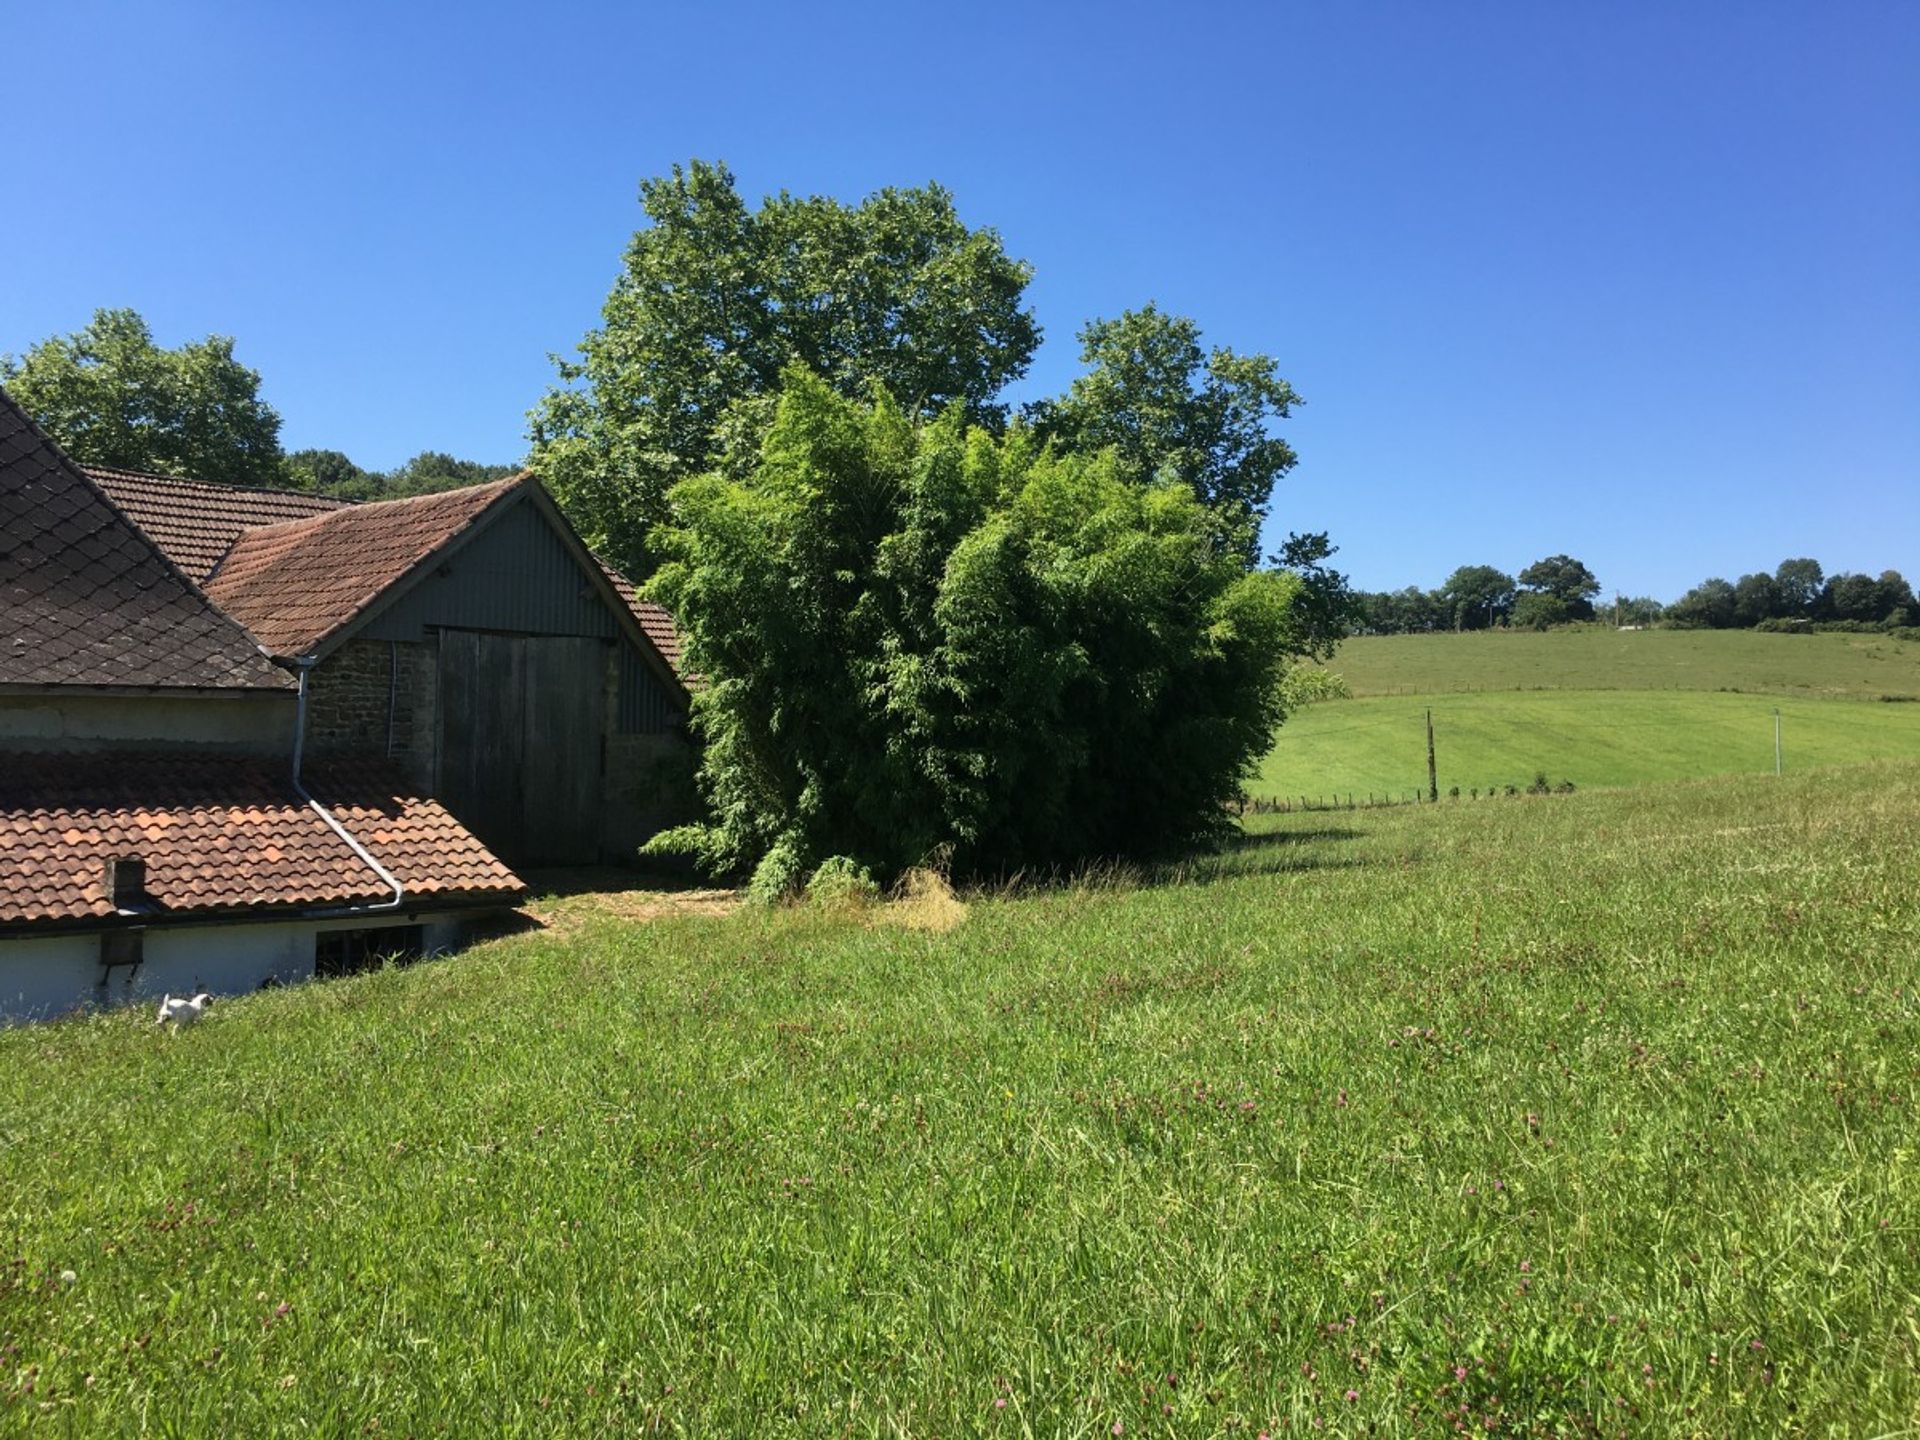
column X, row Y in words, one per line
column 303, row 666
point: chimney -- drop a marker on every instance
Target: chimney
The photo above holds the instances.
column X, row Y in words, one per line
column 126, row 881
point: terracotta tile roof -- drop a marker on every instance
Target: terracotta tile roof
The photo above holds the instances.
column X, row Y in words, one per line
column 87, row 599
column 222, row 835
column 200, row 525
column 294, row 584
column 195, row 522
column 654, row 619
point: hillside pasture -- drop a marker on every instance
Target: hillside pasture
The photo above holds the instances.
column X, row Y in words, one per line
column 1861, row 667
column 1579, row 1114
column 1591, row 737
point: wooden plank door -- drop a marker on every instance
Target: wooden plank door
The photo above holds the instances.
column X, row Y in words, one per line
column 482, row 694
column 521, row 730
column 565, row 715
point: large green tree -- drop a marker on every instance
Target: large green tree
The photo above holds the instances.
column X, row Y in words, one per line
column 1797, row 585
column 1756, row 597
column 1850, row 596
column 918, row 636
column 109, row 395
column 716, row 299
column 1564, row 580
column 1170, row 409
column 1711, row 605
column 1478, row 596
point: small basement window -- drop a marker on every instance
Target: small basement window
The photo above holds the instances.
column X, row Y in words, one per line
column 121, row 947
column 348, row 952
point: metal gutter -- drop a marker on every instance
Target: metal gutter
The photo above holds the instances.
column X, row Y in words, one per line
column 304, row 667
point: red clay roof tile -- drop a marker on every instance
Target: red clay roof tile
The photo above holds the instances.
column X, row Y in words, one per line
column 294, row 584
column 224, row 835
column 654, row 619
column 195, row 522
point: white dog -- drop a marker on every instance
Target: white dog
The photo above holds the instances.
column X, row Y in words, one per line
column 182, row 1013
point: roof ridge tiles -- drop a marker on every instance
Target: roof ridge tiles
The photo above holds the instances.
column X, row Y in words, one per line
column 122, row 472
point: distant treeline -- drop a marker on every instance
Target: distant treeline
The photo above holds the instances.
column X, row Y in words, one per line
column 108, row 395
column 1561, row 589
column 328, row 472
column 1799, row 592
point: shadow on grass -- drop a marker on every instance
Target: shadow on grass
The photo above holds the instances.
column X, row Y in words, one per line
column 1237, row 864
column 1246, row 840
column 499, row 925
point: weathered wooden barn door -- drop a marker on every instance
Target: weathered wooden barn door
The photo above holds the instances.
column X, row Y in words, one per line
column 565, row 722
column 521, row 720
column 482, row 695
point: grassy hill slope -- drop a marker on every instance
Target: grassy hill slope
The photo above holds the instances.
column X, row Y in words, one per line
column 1596, row 707
column 1592, row 737
column 1581, row 1112
column 1852, row 666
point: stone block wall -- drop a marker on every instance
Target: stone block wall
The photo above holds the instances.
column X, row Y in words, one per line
column 649, row 787
column 376, row 698
column 647, row 781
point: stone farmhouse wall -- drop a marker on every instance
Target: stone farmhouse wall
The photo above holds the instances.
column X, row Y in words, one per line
column 377, row 698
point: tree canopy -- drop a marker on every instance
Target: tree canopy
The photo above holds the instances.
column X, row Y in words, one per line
column 1566, row 581
column 1797, row 585
column 329, row 472
column 109, row 395
column 1172, row 410
column 1798, row 592
column 1478, row 596
column 919, row 636
column 715, row 300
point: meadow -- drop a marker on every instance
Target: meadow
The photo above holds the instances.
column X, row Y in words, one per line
column 1855, row 667
column 1596, row 707
column 1585, row 1114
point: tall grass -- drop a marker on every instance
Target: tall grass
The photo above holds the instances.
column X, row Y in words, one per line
column 1585, row 1114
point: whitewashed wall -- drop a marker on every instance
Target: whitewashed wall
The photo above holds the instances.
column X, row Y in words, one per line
column 44, row 977
column 244, row 722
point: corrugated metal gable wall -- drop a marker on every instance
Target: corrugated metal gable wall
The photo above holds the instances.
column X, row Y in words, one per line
column 646, row 708
column 520, row 578
column 517, row 577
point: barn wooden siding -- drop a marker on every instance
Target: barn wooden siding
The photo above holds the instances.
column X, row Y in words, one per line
column 516, row 576
column 644, row 706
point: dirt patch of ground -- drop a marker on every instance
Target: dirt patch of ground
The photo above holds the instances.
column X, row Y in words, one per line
column 564, row 900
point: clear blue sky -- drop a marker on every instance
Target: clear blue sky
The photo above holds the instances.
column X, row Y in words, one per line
column 1640, row 282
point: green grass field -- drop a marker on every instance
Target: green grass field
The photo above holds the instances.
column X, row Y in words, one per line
column 1594, row 707
column 1592, row 737
column 1859, row 667
column 1581, row 1114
